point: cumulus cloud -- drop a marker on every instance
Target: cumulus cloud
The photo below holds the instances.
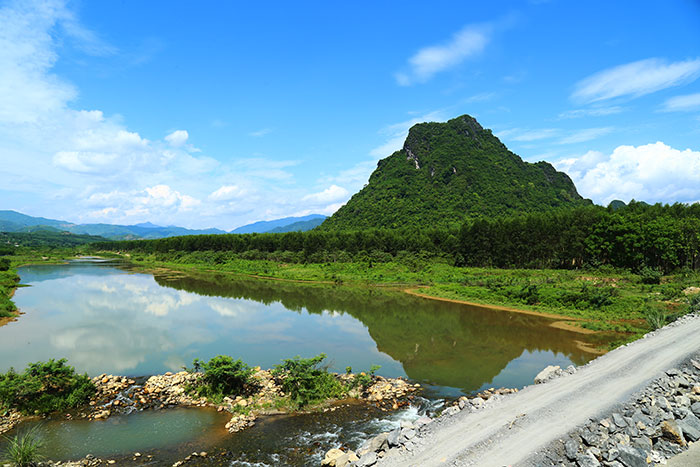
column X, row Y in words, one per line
column 652, row 173
column 685, row 103
column 228, row 192
column 177, row 138
column 636, row 79
column 329, row 195
column 466, row 43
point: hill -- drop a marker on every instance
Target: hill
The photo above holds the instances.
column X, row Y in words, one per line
column 287, row 222
column 447, row 173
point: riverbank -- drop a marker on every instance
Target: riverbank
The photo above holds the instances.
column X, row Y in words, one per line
column 655, row 374
column 607, row 300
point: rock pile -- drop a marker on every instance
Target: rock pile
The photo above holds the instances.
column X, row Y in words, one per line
column 407, row 436
column 656, row 424
column 9, row 419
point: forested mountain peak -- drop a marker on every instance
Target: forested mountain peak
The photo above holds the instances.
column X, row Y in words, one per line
column 449, row 172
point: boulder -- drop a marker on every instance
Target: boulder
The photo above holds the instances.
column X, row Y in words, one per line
column 672, row 432
column 547, row 374
column 331, row 457
column 690, row 426
column 632, row 457
column 367, row 460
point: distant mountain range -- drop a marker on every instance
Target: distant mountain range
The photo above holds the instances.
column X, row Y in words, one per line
column 13, row 221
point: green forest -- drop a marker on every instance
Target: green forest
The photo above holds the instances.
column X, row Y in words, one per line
column 636, row 237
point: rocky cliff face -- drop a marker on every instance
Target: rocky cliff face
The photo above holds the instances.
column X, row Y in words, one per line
column 449, row 172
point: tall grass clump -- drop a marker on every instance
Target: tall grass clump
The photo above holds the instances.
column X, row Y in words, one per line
column 23, row 449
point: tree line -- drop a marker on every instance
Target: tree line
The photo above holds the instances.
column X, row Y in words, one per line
column 636, row 236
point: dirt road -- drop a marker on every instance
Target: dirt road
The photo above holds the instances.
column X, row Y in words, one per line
column 512, row 430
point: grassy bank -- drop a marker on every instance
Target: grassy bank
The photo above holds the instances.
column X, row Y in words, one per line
column 602, row 299
column 9, row 278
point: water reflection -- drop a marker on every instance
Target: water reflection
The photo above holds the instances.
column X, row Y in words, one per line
column 108, row 319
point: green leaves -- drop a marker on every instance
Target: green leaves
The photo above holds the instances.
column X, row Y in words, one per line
column 222, row 376
column 45, row 387
column 306, row 382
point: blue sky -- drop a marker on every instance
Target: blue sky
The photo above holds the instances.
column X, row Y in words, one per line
column 217, row 114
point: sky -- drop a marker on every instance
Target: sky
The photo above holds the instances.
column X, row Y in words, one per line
column 218, row 114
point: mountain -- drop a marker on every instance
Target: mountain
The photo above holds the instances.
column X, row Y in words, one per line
column 447, row 173
column 270, row 226
column 13, row 221
column 301, row 226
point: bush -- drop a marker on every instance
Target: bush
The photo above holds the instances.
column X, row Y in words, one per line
column 223, row 376
column 45, row 387
column 306, row 382
column 650, row 276
column 4, row 264
column 694, row 302
column 364, row 380
column 23, row 449
column 655, row 317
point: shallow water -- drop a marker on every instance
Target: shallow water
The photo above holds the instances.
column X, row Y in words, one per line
column 106, row 319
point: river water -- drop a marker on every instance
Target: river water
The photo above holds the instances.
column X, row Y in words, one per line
column 106, row 318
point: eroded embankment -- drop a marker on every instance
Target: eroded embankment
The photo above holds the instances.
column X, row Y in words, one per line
column 513, row 429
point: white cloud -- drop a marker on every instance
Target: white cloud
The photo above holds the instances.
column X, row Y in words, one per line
column 517, row 134
column 177, row 138
column 594, row 112
column 587, row 134
column 652, row 173
column 228, row 192
column 396, row 133
column 331, row 194
column 689, row 102
column 636, row 79
column 260, row 133
column 466, row 43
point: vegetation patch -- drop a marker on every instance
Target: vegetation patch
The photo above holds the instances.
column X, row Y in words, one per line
column 45, row 387
column 24, row 449
column 307, row 382
column 221, row 376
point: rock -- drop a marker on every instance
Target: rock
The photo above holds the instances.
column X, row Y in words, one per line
column 367, row 460
column 619, row 420
column 345, row 459
column 632, row 457
column 379, row 442
column 477, row 402
column 546, row 374
column 424, row 420
column 690, row 426
column 451, row 410
column 571, row 448
column 671, row 431
column 331, row 457
column 393, row 437
column 587, row 460
column 696, row 408
column 407, row 434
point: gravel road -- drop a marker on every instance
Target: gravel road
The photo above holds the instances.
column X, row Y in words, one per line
column 512, row 430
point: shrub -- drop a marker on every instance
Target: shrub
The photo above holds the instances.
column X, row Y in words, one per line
column 649, row 275
column 306, row 382
column 4, row 264
column 222, row 376
column 364, row 380
column 694, row 302
column 655, row 317
column 45, row 387
column 23, row 449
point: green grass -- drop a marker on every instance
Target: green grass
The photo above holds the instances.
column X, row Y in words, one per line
column 23, row 450
column 602, row 299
